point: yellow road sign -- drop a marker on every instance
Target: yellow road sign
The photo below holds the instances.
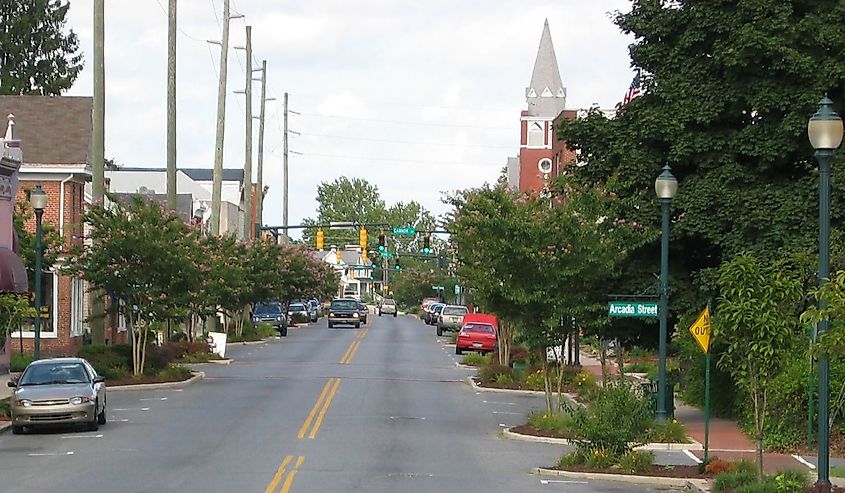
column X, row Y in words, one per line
column 700, row 330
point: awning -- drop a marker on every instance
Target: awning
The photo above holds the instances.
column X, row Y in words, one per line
column 12, row 273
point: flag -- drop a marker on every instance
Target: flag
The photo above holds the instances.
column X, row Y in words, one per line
column 634, row 89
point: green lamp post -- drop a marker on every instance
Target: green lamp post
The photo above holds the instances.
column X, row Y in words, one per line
column 825, row 132
column 666, row 186
column 38, row 201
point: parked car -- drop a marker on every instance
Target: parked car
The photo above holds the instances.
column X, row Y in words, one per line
column 344, row 311
column 451, row 317
column 273, row 313
column 58, row 391
column 479, row 332
column 298, row 313
column 431, row 316
column 314, row 307
column 387, row 306
column 363, row 311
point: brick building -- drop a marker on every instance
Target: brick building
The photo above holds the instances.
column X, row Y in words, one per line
column 55, row 138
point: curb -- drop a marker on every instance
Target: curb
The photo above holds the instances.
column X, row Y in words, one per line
column 699, row 486
column 625, row 478
column 510, row 435
column 475, row 386
column 198, row 375
column 248, row 343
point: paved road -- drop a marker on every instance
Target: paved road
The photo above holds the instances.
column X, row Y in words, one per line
column 383, row 408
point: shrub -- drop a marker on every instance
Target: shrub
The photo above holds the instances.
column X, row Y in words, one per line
column 474, row 359
column 174, row 371
column 160, row 357
column 741, row 475
column 716, row 465
column 586, row 383
column 453, row 338
column 557, row 423
column 19, row 361
column 600, row 458
column 640, row 367
column 492, row 371
column 669, row 432
column 504, row 379
column 636, row 461
column 112, row 362
column 519, row 353
column 573, row 459
column 791, row 481
column 615, row 421
column 4, row 407
column 535, row 380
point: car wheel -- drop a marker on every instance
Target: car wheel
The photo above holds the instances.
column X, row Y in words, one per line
column 284, row 332
column 379, row 313
column 17, row 430
column 439, row 331
column 92, row 425
column 458, row 350
column 330, row 325
column 358, row 325
column 394, row 314
column 101, row 418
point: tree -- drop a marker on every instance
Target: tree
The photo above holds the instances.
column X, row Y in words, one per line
column 38, row 56
column 346, row 200
column 755, row 318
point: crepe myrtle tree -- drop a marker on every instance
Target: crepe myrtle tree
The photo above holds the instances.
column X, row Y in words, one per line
column 133, row 253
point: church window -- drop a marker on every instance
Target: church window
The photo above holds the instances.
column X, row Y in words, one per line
column 536, row 137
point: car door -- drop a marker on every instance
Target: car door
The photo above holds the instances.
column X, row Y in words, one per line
column 99, row 387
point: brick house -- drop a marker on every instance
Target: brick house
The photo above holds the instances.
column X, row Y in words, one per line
column 55, row 135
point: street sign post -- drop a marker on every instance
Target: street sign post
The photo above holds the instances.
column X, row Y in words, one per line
column 631, row 309
column 404, row 230
column 700, row 330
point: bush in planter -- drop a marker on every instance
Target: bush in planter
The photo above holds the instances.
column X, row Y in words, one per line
column 636, row 461
column 615, row 421
column 19, row 361
column 492, row 371
column 112, row 362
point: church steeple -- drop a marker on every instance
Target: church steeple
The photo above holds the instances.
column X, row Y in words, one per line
column 546, row 94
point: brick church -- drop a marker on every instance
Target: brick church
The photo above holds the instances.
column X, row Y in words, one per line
column 541, row 155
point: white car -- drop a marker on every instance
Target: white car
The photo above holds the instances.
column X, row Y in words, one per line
column 387, row 306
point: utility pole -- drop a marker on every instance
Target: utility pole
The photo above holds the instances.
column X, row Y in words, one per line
column 171, row 105
column 285, row 168
column 264, row 99
column 217, row 184
column 249, row 228
column 98, row 329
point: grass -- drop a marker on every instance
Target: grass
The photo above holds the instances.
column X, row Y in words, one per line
column 837, row 471
column 475, row 359
column 556, row 423
column 640, row 367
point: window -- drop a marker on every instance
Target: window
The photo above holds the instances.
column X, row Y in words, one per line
column 545, row 165
column 77, row 315
column 536, row 138
column 455, row 310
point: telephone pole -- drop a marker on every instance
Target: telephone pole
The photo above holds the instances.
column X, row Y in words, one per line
column 264, row 99
column 249, row 228
column 171, row 105
column 98, row 328
column 285, row 167
column 217, row 184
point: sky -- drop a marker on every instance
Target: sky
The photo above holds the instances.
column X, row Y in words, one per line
column 419, row 98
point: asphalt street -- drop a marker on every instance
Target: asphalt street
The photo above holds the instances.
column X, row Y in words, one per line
column 383, row 408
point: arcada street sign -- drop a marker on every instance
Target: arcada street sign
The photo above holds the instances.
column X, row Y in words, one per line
column 631, row 309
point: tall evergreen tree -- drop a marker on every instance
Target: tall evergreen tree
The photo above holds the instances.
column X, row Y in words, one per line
column 37, row 56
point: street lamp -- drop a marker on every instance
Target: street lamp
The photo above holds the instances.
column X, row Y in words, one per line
column 666, row 186
column 38, row 201
column 825, row 132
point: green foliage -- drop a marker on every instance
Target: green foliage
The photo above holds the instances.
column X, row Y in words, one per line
column 837, row 471
column 475, row 359
column 791, row 481
column 535, row 380
column 19, row 361
column 39, row 57
column 636, row 461
column 734, row 479
column 672, row 431
column 504, row 379
column 560, row 423
column 112, row 362
column 4, row 407
column 599, row 458
column 640, row 367
column 491, row 372
column 575, row 458
column 615, row 421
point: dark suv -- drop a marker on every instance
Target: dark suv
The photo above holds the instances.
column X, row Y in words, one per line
column 344, row 311
column 273, row 313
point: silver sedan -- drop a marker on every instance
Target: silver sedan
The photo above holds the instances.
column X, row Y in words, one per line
column 56, row 392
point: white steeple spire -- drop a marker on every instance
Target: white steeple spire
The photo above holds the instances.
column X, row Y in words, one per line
column 546, row 95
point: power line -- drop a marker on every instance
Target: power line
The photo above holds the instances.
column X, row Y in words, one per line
column 397, row 160
column 177, row 27
column 503, row 109
column 445, row 144
column 378, row 120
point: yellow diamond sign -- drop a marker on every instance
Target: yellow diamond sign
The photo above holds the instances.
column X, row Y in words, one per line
column 701, row 330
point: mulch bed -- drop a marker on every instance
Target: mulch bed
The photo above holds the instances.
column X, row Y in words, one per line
column 530, row 430
column 655, row 470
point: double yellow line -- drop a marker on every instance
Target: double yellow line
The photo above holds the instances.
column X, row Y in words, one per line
column 322, row 404
column 350, row 353
column 280, row 472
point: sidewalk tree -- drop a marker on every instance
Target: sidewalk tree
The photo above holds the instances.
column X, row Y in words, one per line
column 348, row 200
column 755, row 318
column 15, row 309
column 37, row 55
column 132, row 255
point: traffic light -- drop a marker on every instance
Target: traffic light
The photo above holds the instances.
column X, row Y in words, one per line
column 362, row 237
column 382, row 246
column 427, row 244
column 320, row 239
column 397, row 266
column 441, row 261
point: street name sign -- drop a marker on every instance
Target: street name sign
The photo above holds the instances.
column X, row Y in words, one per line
column 341, row 225
column 386, row 254
column 700, row 330
column 631, row 309
column 437, row 288
column 404, row 230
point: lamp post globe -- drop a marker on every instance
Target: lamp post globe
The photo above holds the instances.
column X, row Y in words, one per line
column 38, row 202
column 666, row 187
column 825, row 133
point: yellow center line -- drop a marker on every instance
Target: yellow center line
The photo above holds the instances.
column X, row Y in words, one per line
column 278, row 476
column 355, row 347
column 347, row 353
column 362, row 333
column 314, row 409
column 291, row 475
column 325, row 408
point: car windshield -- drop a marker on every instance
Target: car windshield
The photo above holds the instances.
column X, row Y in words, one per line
column 296, row 307
column 482, row 328
column 274, row 307
column 344, row 305
column 438, row 308
column 455, row 310
column 54, row 373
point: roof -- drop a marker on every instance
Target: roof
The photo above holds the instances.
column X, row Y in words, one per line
column 546, row 84
column 52, row 129
column 196, row 174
